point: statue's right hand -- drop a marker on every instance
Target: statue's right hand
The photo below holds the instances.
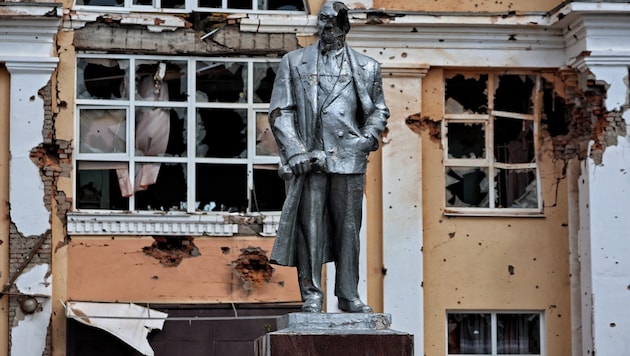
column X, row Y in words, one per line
column 300, row 163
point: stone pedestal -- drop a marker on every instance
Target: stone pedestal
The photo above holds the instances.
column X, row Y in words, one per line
column 335, row 334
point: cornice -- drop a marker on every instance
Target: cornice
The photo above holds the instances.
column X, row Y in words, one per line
column 27, row 32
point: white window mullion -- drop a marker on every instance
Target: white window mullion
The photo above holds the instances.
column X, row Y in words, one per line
column 131, row 132
column 191, row 136
column 493, row 333
column 251, row 135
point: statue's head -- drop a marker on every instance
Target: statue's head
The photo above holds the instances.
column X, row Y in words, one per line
column 333, row 24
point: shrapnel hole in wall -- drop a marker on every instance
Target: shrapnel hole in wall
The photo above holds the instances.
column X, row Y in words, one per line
column 253, row 268
column 171, row 250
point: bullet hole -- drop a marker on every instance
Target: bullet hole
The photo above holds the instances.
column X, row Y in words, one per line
column 458, row 302
column 444, row 260
column 155, row 278
column 384, row 270
column 253, row 268
column 511, row 270
column 552, row 306
column 564, row 224
column 512, row 37
column 171, row 250
column 559, row 315
column 225, row 250
column 414, row 30
column 32, row 98
column 404, row 54
column 479, row 243
column 537, row 287
column 451, row 234
column 509, row 225
column 281, row 283
column 612, row 325
column 628, row 287
column 534, row 259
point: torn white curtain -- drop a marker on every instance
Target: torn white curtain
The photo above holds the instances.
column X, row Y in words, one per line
column 129, row 322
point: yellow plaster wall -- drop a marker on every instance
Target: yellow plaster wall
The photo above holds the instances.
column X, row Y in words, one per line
column 468, row 5
column 117, row 269
column 467, row 259
column 5, row 98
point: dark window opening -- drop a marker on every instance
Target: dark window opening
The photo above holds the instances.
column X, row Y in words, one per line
column 466, row 140
column 97, row 188
column 467, row 95
column 467, row 187
column 169, row 190
column 221, row 187
column 514, row 93
column 223, row 134
column 269, row 189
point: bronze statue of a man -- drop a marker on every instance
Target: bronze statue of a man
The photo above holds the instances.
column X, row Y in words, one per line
column 327, row 113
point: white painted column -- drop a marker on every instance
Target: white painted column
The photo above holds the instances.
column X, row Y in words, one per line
column 26, row 189
column 402, row 203
column 604, row 225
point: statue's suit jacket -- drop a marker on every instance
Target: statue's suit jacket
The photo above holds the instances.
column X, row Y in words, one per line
column 294, row 112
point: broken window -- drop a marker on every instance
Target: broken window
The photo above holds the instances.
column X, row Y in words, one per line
column 164, row 149
column 501, row 333
column 490, row 124
column 208, row 5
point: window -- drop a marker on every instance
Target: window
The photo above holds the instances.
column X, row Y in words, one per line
column 504, row 333
column 490, row 143
column 198, row 5
column 175, row 135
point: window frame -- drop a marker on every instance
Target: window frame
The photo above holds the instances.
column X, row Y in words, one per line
column 493, row 329
column 87, row 221
column 487, row 120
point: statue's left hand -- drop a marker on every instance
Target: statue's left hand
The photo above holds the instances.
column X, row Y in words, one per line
column 300, row 163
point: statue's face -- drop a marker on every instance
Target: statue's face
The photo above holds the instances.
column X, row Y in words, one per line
column 330, row 31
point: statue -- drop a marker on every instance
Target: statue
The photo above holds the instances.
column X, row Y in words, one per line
column 327, row 112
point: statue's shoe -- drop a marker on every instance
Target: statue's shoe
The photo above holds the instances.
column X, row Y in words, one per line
column 312, row 305
column 354, row 306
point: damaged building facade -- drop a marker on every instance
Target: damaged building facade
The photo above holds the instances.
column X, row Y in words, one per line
column 139, row 191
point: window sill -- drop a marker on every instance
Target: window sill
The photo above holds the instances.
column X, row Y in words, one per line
column 171, row 224
column 519, row 213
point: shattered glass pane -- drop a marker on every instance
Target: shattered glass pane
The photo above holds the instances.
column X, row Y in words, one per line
column 221, row 82
column 160, row 131
column 102, row 78
column 516, row 188
column 466, row 95
column 160, row 186
column 264, row 75
column 143, row 2
column 98, row 186
column 161, row 80
column 466, row 140
column 269, row 189
column 221, row 187
column 513, row 140
column 467, row 187
column 265, row 142
column 514, row 93
column 102, row 131
column 469, row 334
column 222, row 133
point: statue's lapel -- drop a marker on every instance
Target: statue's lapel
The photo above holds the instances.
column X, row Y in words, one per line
column 307, row 70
